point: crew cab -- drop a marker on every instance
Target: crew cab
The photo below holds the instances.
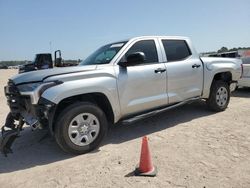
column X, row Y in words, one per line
column 123, row 81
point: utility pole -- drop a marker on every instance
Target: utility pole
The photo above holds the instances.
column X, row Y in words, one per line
column 50, row 46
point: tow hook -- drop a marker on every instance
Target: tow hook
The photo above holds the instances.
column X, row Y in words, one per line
column 10, row 132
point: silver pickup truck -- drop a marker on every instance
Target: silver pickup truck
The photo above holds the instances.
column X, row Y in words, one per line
column 120, row 82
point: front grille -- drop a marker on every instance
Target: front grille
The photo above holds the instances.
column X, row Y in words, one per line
column 13, row 97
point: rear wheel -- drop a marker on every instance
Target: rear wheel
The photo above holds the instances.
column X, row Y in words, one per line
column 219, row 96
column 80, row 128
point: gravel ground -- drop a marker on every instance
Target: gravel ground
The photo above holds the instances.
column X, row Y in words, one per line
column 191, row 147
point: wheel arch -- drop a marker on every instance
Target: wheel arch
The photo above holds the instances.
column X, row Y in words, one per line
column 224, row 76
column 99, row 99
column 210, row 79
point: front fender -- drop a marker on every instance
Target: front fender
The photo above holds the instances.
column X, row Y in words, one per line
column 104, row 85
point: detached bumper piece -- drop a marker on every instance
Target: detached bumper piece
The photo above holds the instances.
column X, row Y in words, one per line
column 7, row 139
column 10, row 132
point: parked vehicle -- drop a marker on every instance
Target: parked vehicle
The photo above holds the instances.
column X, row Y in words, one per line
column 244, row 81
column 121, row 82
column 42, row 61
column 3, row 67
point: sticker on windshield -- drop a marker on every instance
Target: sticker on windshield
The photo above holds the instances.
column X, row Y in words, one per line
column 116, row 45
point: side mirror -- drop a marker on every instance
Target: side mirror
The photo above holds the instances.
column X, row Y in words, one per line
column 134, row 59
column 58, row 62
column 58, row 58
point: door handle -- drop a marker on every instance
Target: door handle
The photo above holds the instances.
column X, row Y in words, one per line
column 195, row 66
column 160, row 70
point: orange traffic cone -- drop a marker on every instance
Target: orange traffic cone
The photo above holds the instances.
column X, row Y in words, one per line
column 146, row 167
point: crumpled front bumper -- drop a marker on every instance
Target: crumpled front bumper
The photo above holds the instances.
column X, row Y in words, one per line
column 22, row 110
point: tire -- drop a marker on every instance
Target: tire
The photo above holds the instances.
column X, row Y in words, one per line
column 76, row 125
column 219, row 96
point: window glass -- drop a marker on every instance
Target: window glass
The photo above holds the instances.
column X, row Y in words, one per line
column 176, row 50
column 147, row 47
column 104, row 54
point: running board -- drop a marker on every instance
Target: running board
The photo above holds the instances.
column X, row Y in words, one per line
column 149, row 114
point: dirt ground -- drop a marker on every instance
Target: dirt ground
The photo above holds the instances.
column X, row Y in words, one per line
column 191, row 147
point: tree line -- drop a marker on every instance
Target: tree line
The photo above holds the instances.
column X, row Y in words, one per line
column 16, row 63
column 225, row 49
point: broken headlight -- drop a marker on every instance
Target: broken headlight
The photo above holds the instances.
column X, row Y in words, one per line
column 35, row 90
column 29, row 87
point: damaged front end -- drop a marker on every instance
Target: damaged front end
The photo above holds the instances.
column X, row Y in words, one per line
column 25, row 107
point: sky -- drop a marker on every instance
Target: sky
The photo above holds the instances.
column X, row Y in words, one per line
column 78, row 27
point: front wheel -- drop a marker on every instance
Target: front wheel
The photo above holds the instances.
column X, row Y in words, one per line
column 219, row 96
column 80, row 128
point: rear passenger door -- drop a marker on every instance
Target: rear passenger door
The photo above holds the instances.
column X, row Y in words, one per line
column 184, row 70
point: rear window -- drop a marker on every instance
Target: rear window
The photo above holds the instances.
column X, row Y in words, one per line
column 176, row 50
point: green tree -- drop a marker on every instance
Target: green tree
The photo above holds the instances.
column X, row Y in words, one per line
column 223, row 49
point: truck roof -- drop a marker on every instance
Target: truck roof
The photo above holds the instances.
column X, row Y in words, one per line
column 153, row 36
column 161, row 36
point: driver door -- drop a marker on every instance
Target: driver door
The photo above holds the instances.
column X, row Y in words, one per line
column 143, row 86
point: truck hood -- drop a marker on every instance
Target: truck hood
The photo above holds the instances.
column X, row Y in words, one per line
column 40, row 75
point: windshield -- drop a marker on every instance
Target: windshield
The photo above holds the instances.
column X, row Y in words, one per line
column 104, row 54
